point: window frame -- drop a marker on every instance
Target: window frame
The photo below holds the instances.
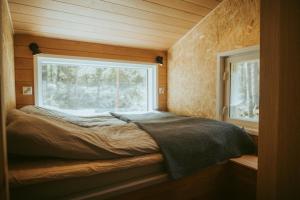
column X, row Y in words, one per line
column 223, row 86
column 152, row 74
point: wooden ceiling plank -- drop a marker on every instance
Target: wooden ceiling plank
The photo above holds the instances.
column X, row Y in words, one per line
column 41, row 12
column 183, row 6
column 206, row 3
column 148, row 24
column 112, row 27
column 143, row 5
column 79, row 27
column 23, row 52
column 24, row 40
column 127, row 11
column 84, row 35
column 80, row 33
column 52, row 5
column 159, row 47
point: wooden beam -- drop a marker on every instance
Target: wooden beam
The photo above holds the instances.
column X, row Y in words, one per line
column 7, row 97
column 279, row 139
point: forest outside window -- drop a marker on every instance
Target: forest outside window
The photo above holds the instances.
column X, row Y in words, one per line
column 89, row 87
column 241, row 100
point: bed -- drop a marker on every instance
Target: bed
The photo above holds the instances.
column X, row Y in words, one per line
column 53, row 155
column 58, row 178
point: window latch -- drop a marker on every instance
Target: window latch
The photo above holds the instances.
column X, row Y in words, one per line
column 225, row 76
column 224, row 110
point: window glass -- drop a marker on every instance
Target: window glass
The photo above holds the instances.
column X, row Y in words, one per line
column 132, row 89
column 244, row 90
column 94, row 88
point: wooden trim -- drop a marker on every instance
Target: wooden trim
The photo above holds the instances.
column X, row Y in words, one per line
column 221, row 86
column 249, row 161
column 221, row 57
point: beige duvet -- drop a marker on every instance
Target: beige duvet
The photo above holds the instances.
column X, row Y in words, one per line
column 32, row 133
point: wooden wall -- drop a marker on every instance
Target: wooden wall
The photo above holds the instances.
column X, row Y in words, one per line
column 8, row 58
column 7, row 88
column 192, row 60
column 24, row 60
column 279, row 127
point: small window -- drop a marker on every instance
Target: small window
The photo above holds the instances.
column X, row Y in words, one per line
column 241, row 89
column 88, row 87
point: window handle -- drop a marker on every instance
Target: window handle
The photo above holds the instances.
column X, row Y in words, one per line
column 224, row 110
column 225, row 76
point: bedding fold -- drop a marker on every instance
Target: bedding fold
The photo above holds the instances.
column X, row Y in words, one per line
column 40, row 136
column 103, row 119
column 192, row 143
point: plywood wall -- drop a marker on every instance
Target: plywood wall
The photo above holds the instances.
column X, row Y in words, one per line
column 7, row 88
column 24, row 60
column 193, row 59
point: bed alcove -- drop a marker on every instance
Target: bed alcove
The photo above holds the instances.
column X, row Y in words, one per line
column 274, row 25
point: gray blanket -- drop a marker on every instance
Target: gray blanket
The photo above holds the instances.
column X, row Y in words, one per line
column 191, row 143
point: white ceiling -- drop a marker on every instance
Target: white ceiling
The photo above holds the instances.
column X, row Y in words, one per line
column 153, row 24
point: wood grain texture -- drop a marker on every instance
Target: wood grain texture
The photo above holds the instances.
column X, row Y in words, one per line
column 242, row 182
column 209, row 184
column 152, row 24
column 249, row 161
column 228, row 181
column 8, row 59
column 7, row 91
column 24, row 60
column 279, row 166
column 192, row 60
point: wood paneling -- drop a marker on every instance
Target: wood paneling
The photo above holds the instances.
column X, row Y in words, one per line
column 192, row 60
column 279, row 129
column 7, row 88
column 209, row 184
column 7, row 58
column 153, row 24
column 242, row 182
column 24, row 60
column 228, row 181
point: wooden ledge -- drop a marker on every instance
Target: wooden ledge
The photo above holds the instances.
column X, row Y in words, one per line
column 249, row 161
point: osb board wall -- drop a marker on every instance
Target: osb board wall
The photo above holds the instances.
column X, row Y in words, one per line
column 24, row 60
column 192, row 61
column 7, row 89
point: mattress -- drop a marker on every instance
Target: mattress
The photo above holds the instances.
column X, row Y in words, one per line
column 60, row 179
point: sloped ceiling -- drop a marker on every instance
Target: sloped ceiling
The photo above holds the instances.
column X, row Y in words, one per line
column 153, row 24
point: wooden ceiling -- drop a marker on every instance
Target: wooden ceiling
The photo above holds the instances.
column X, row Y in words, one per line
column 153, row 24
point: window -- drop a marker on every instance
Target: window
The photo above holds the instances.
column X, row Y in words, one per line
column 241, row 89
column 85, row 87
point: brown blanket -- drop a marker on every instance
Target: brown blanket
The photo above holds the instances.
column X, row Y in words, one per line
column 31, row 171
column 41, row 136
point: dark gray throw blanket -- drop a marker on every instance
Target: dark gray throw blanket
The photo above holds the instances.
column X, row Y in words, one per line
column 192, row 143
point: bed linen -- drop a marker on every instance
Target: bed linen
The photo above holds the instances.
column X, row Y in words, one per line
column 58, row 178
column 103, row 119
column 193, row 143
column 187, row 143
column 36, row 135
